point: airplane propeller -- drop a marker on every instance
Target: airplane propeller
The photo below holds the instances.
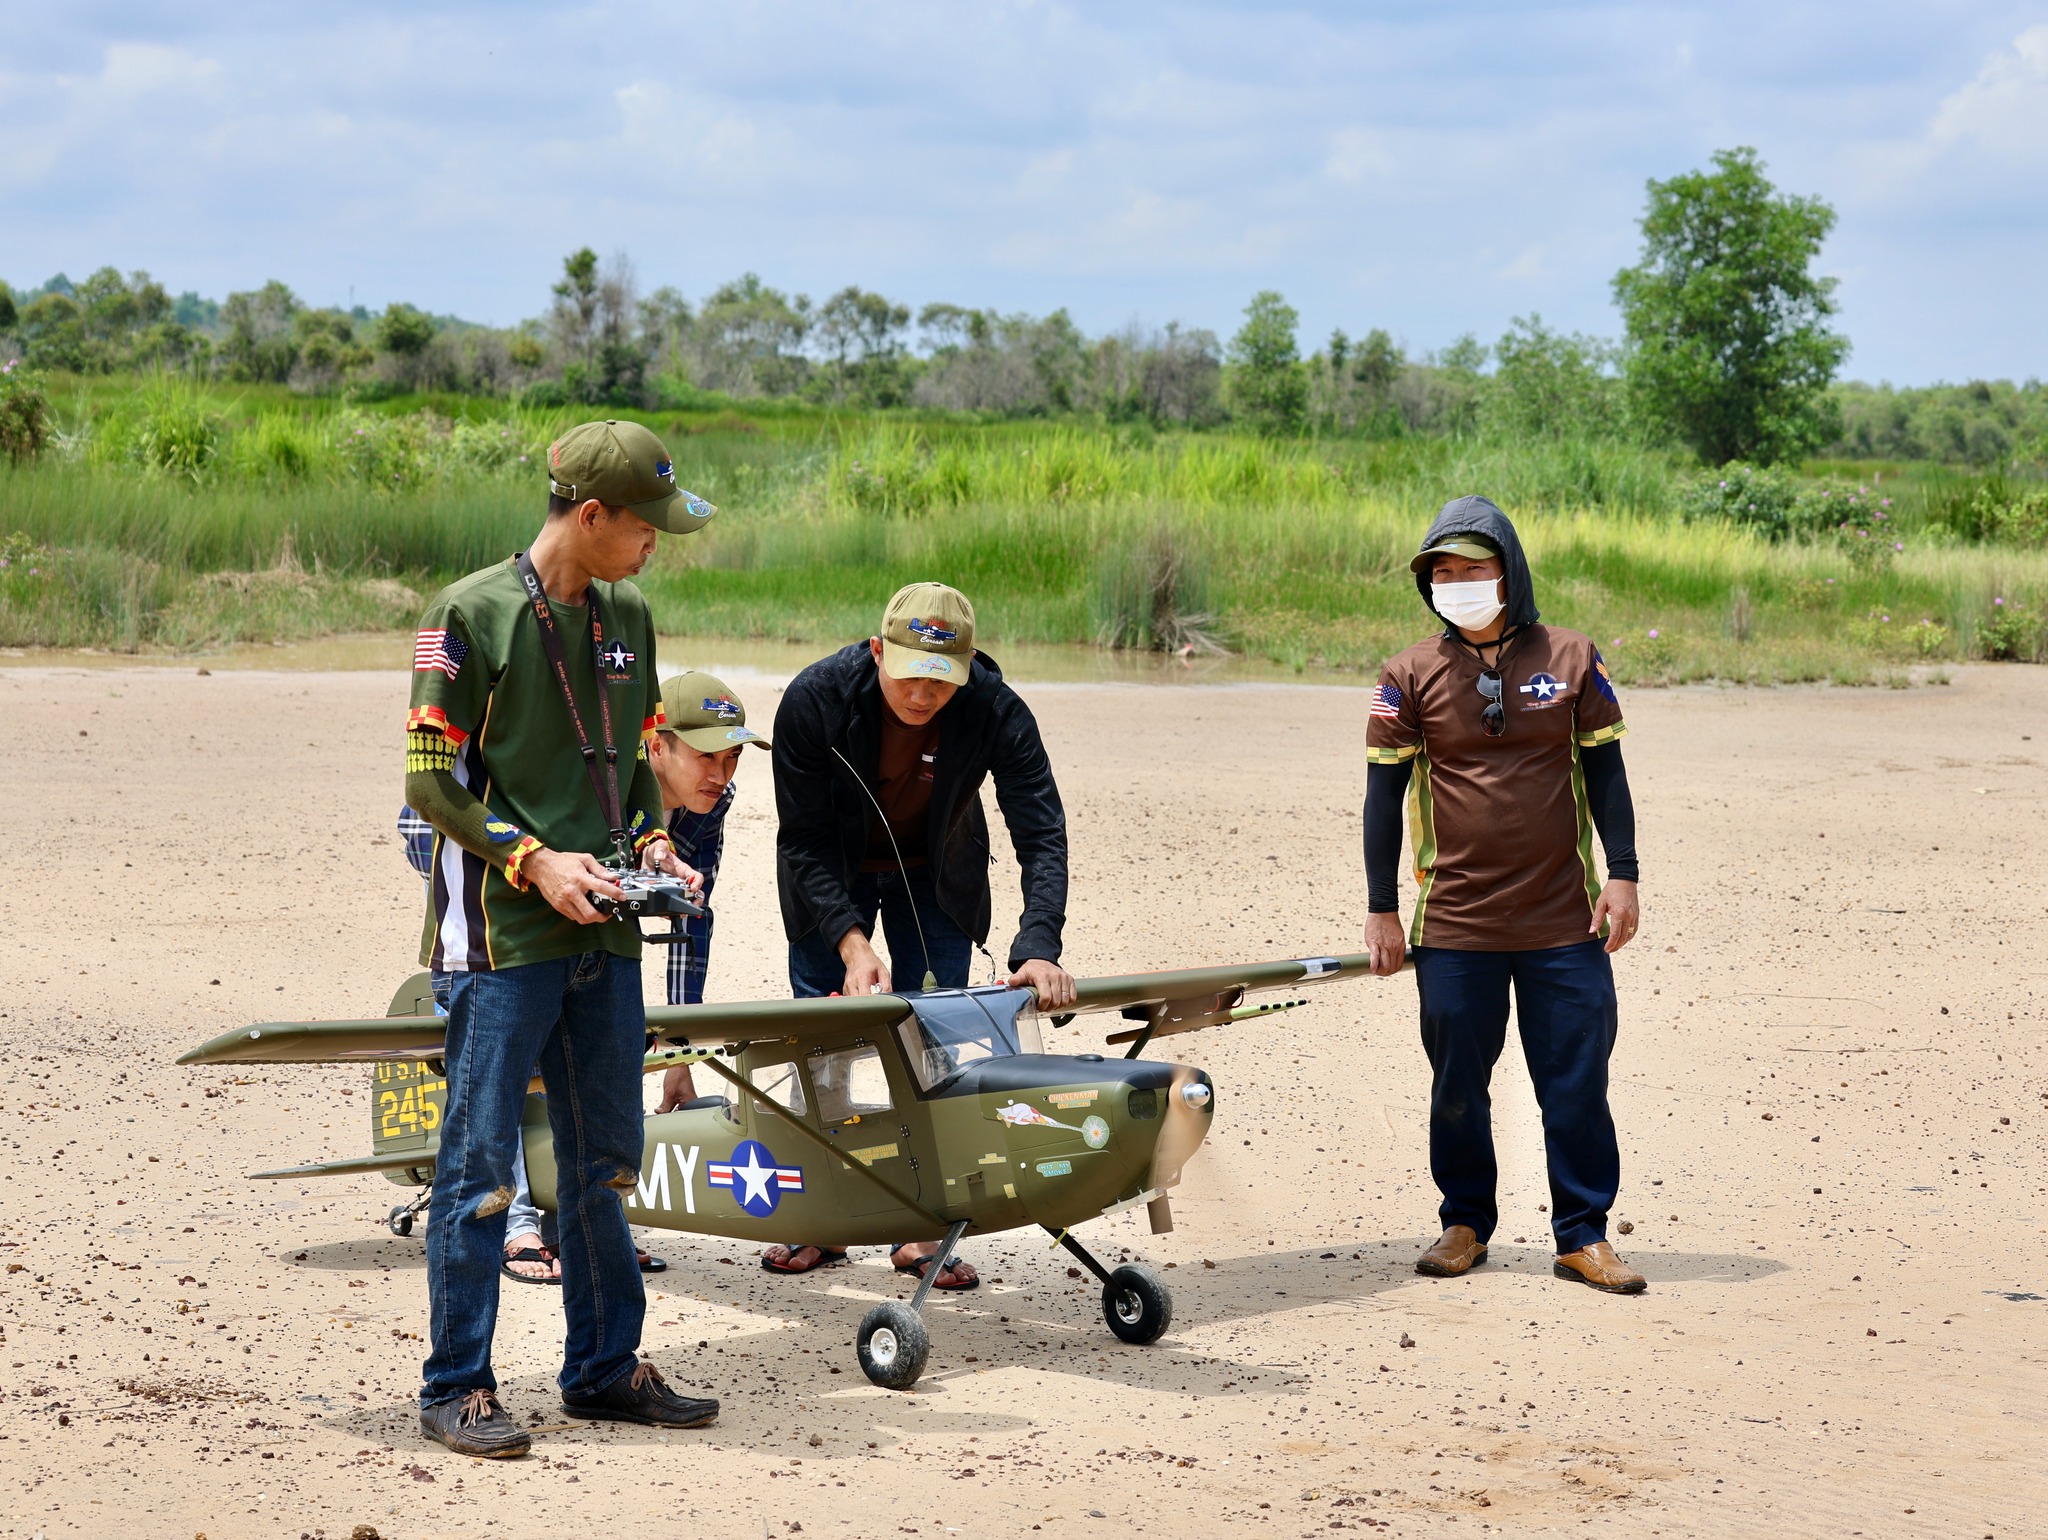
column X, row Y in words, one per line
column 1190, row 1101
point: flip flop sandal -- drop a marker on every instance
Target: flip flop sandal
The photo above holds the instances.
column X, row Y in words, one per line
column 918, row 1268
column 529, row 1254
column 828, row 1256
column 652, row 1264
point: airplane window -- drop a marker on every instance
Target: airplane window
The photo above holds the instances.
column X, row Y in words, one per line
column 946, row 1032
column 781, row 1085
column 850, row 1083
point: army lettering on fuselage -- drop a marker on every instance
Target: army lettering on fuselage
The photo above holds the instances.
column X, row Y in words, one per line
column 653, row 1191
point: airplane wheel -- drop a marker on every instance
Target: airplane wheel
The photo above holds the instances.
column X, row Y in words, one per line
column 399, row 1221
column 1136, row 1304
column 892, row 1345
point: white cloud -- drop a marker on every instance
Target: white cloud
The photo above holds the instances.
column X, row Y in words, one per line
column 1429, row 169
column 2005, row 109
column 1358, row 153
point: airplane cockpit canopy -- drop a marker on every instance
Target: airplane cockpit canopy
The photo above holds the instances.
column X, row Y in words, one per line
column 950, row 1028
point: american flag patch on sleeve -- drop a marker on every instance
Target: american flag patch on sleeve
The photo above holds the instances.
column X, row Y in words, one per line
column 437, row 649
column 1386, row 701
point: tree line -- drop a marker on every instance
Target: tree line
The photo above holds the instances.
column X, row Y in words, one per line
column 1727, row 348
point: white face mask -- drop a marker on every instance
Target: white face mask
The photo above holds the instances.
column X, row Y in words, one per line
column 1471, row 606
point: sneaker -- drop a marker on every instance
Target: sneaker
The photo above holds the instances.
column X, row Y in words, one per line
column 644, row 1397
column 476, row 1425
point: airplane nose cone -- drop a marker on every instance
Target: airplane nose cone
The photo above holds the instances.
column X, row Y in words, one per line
column 1190, row 1106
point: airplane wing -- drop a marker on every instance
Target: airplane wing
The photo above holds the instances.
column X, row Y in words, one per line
column 413, row 1032
column 1189, row 999
column 1178, row 1000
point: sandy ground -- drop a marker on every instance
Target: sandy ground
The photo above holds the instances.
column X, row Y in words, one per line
column 1831, row 1086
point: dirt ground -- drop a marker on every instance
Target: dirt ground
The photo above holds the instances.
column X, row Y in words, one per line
column 1831, row 1087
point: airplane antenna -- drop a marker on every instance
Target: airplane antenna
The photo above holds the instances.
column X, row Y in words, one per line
column 931, row 980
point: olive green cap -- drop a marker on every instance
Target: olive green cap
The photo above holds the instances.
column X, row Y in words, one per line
column 623, row 465
column 928, row 633
column 1469, row 546
column 706, row 715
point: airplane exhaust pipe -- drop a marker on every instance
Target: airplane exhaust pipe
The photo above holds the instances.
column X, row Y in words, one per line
column 1160, row 1211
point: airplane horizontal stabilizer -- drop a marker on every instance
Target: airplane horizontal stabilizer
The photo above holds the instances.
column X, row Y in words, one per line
column 423, row 1159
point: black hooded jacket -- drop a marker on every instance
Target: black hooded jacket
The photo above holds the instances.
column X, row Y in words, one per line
column 1607, row 791
column 984, row 730
column 1478, row 516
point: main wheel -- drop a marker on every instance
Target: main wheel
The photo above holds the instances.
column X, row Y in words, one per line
column 892, row 1345
column 1137, row 1304
column 399, row 1221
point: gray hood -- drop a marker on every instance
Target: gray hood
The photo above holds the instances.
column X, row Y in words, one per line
column 1478, row 516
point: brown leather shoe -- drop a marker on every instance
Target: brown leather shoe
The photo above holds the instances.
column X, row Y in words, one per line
column 1599, row 1266
column 1457, row 1252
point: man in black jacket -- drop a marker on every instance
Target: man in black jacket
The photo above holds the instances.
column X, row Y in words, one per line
column 881, row 751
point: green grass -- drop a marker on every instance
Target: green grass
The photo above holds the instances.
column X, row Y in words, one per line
column 177, row 516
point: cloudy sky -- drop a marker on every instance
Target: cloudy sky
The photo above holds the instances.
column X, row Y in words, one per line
column 1431, row 168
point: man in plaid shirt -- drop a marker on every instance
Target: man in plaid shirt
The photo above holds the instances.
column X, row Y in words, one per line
column 695, row 755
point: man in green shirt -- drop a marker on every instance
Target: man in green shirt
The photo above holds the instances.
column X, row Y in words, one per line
column 534, row 691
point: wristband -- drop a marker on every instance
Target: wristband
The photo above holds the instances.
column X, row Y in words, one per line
column 513, row 874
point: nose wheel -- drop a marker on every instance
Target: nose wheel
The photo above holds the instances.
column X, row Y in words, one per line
column 1136, row 1303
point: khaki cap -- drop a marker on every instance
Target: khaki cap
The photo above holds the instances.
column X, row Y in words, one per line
column 706, row 715
column 928, row 633
column 1470, row 546
column 623, row 465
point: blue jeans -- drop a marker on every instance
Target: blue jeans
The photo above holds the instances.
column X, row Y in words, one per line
column 522, row 1218
column 1565, row 1006
column 582, row 1021
column 814, row 965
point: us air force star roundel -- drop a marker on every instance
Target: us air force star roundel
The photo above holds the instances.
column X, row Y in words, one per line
column 1543, row 686
column 616, row 657
column 756, row 1182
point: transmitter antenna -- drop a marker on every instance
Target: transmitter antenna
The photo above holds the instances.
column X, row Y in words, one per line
column 931, row 981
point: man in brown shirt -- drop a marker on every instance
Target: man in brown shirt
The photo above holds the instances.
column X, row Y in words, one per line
column 1504, row 736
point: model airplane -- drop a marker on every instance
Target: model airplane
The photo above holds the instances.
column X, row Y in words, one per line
column 860, row 1121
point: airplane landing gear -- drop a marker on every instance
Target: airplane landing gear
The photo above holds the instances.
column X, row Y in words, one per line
column 893, row 1344
column 1136, row 1303
column 399, row 1220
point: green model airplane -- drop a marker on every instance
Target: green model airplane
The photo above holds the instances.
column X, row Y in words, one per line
column 861, row 1121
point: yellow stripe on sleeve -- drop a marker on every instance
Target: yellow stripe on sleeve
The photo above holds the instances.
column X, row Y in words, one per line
column 1600, row 735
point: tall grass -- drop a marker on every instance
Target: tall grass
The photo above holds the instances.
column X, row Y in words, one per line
column 180, row 516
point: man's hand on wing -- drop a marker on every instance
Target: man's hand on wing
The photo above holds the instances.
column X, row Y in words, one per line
column 866, row 974
column 1052, row 983
column 566, row 878
column 1385, row 944
column 1620, row 910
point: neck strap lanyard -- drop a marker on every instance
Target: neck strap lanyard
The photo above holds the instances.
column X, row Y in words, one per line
column 606, row 785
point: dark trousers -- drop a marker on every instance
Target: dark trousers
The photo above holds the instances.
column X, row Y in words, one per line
column 814, row 965
column 1565, row 1006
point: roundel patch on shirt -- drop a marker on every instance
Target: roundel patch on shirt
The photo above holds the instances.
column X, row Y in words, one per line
column 1543, row 689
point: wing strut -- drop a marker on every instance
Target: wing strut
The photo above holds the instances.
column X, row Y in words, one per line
column 810, row 1133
